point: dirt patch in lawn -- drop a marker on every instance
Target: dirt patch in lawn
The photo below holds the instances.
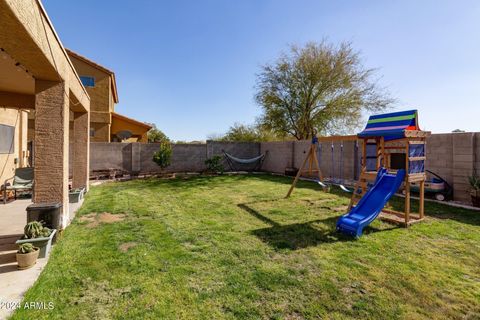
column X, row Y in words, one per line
column 94, row 219
column 124, row 247
column 98, row 298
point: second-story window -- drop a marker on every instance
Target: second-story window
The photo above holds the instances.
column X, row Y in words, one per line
column 88, row 81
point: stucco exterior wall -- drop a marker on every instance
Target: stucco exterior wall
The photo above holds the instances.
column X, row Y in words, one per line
column 139, row 132
column 36, row 44
column 101, row 99
column 102, row 132
column 18, row 119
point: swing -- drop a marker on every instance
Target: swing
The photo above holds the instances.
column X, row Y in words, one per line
column 312, row 163
column 319, row 151
column 338, row 182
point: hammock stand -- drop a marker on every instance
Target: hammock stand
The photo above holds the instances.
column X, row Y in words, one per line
column 231, row 160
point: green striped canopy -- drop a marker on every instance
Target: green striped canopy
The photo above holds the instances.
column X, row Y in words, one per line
column 391, row 126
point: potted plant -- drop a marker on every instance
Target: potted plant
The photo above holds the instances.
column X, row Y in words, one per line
column 75, row 195
column 474, row 181
column 27, row 255
column 40, row 236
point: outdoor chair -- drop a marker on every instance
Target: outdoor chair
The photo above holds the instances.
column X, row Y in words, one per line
column 22, row 181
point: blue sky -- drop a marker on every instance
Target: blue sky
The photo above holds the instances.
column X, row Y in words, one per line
column 189, row 66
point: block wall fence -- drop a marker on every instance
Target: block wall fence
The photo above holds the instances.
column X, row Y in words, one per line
column 453, row 156
column 137, row 157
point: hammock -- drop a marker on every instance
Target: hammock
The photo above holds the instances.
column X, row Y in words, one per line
column 231, row 159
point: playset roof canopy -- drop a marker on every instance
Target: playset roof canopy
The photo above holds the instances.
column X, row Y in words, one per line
column 391, row 126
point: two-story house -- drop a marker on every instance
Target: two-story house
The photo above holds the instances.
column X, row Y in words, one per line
column 105, row 124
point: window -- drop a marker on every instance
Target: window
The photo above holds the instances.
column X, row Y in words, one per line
column 7, row 139
column 92, row 132
column 397, row 160
column 88, row 81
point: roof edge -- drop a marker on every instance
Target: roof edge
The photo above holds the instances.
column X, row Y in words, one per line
column 125, row 118
column 99, row 67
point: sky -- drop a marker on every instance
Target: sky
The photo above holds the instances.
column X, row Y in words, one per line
column 190, row 66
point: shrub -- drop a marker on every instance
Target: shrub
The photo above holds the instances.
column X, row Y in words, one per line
column 25, row 248
column 163, row 156
column 214, row 164
column 474, row 181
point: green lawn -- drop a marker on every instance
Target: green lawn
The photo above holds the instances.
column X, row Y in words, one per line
column 233, row 247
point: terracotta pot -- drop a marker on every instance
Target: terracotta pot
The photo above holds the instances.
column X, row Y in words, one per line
column 27, row 260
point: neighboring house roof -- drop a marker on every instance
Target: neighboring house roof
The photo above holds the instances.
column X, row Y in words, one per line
column 99, row 67
column 391, row 125
column 133, row 121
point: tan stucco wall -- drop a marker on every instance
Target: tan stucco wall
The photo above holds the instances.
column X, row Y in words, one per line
column 102, row 132
column 101, row 99
column 18, row 119
column 139, row 132
column 36, row 45
column 28, row 36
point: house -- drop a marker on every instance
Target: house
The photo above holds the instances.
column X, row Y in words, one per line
column 38, row 80
column 105, row 124
column 137, row 129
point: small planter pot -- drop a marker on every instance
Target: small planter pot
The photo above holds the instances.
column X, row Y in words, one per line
column 27, row 260
column 45, row 244
column 75, row 195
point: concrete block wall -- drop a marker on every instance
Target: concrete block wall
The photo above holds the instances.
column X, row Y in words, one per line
column 450, row 155
column 105, row 156
column 185, row 158
column 453, row 156
column 292, row 153
column 440, row 155
column 464, row 154
column 279, row 157
column 244, row 150
column 137, row 157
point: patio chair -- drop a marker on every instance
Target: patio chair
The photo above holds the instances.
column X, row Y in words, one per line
column 22, row 181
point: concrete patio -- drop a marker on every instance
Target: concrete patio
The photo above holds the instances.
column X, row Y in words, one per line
column 14, row 282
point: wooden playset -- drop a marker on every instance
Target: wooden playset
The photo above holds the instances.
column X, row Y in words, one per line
column 394, row 141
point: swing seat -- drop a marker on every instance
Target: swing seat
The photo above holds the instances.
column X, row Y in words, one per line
column 341, row 186
column 321, row 184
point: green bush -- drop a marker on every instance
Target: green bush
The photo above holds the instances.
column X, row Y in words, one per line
column 474, row 182
column 214, row 164
column 163, row 156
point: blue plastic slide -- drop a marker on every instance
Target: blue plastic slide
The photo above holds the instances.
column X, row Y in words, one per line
column 371, row 204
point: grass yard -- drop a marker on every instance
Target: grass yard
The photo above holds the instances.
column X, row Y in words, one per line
column 233, row 247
